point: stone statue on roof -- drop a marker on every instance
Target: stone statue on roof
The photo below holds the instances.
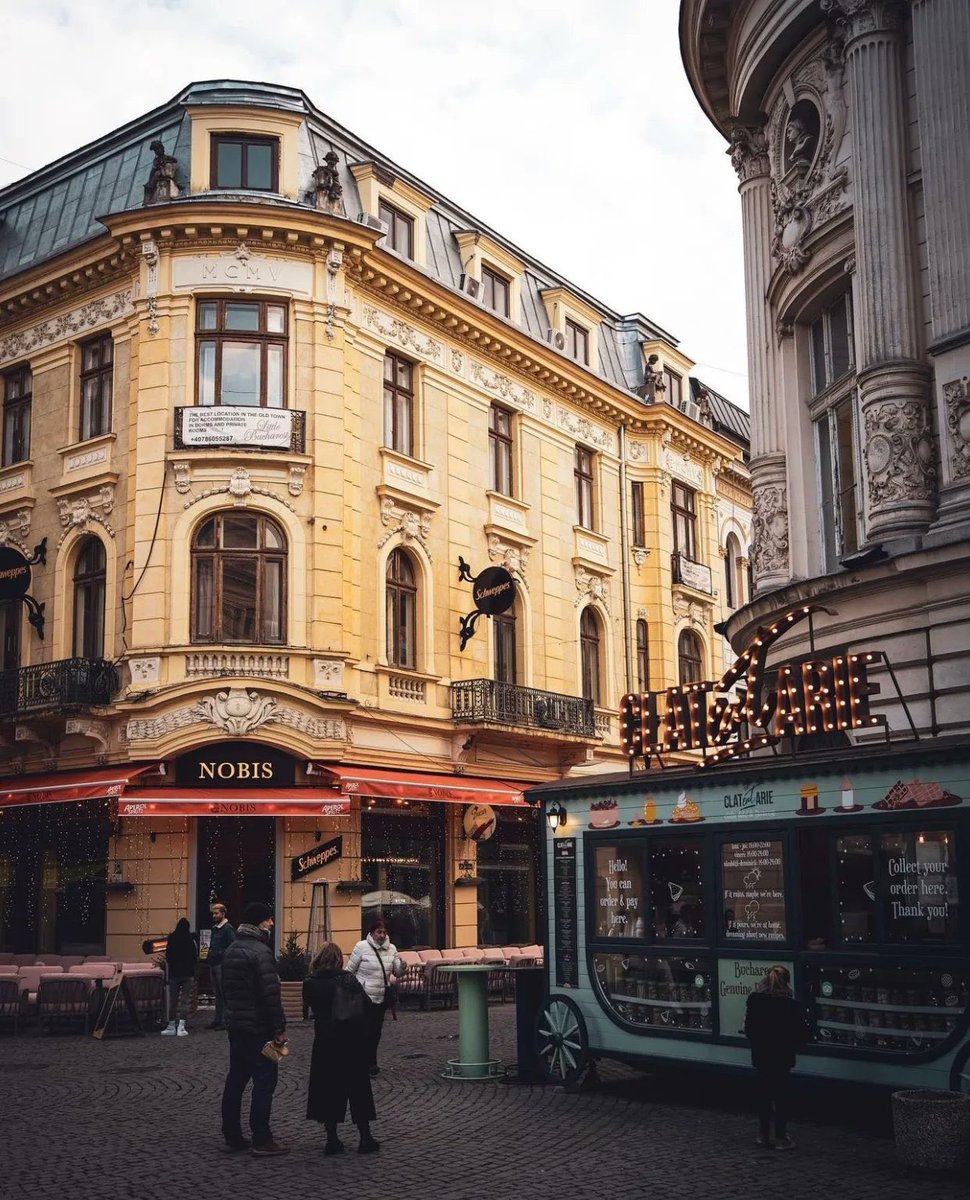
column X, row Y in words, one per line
column 327, row 188
column 162, row 183
column 653, row 387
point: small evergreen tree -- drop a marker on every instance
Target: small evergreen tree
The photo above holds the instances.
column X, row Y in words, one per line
column 292, row 963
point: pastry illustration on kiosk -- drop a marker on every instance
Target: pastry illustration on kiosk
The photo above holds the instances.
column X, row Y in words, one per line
column 604, row 814
column 810, row 805
column 686, row 811
column 847, row 802
column 649, row 813
column 916, row 794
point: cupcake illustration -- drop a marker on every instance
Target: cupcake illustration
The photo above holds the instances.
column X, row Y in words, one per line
column 686, row 811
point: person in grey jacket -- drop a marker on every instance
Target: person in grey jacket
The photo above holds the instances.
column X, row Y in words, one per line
column 375, row 962
column 254, row 1016
column 221, row 938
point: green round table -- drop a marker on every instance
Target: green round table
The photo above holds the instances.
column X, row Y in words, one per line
column 473, row 1061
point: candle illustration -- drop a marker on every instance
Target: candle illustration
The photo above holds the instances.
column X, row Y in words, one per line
column 848, row 796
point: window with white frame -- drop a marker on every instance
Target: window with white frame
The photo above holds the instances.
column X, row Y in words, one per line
column 733, row 573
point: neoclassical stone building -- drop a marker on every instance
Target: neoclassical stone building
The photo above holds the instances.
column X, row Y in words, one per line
column 846, row 121
column 263, row 390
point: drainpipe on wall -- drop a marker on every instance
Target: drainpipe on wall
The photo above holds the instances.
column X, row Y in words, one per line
column 625, row 565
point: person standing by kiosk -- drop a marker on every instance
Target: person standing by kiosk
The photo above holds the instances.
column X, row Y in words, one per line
column 222, row 937
column 776, row 1030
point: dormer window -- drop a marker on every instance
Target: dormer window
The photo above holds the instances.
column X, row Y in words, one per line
column 577, row 342
column 495, row 291
column 242, row 163
column 400, row 229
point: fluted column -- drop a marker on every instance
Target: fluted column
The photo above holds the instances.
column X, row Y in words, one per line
column 941, row 37
column 896, row 433
column 770, row 560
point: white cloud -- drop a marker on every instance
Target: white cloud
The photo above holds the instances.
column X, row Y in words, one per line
column 569, row 128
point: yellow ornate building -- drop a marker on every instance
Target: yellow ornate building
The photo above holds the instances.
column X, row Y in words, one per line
column 263, row 391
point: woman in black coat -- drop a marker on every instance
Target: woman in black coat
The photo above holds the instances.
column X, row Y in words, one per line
column 775, row 1028
column 181, row 955
column 339, row 1062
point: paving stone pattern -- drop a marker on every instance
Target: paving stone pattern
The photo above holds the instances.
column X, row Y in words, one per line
column 139, row 1118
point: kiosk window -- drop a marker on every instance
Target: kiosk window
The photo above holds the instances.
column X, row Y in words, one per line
column 753, row 891
column 918, row 886
column 677, row 887
column 656, row 994
column 618, row 891
column 855, row 887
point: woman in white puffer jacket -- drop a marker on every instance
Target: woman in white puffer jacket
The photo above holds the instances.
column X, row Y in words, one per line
column 376, row 964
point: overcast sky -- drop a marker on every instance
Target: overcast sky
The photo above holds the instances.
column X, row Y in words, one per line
column 567, row 126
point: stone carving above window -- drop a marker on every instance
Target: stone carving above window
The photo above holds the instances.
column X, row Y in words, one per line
column 77, row 512
column 15, row 529
column 403, row 334
column 413, row 526
column 591, row 587
column 236, row 711
column 69, row 325
column 513, row 558
column 239, row 486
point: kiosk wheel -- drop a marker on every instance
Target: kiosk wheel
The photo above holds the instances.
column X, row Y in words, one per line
column 561, row 1041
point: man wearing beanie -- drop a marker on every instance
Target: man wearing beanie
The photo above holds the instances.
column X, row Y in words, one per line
column 253, row 1016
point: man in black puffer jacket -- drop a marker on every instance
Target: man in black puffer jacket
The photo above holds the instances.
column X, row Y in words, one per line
column 254, row 1016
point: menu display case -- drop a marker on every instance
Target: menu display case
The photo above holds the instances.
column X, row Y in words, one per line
column 666, row 993
column 895, row 1009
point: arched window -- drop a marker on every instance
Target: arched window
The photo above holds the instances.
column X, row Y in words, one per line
column 690, row 655
column 503, row 633
column 239, row 580
column 589, row 646
column 402, row 593
column 733, row 575
column 643, row 657
column 89, row 588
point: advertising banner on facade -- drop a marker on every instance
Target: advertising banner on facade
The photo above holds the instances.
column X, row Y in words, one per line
column 272, row 428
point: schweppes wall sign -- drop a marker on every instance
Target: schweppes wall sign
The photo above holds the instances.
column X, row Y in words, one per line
column 749, row 706
column 236, row 764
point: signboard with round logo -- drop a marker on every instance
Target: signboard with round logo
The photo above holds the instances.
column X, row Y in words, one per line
column 493, row 591
column 14, row 574
column 479, row 822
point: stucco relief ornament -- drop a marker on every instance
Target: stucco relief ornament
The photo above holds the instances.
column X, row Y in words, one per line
column 899, row 452
column 770, row 522
column 412, row 526
column 592, row 587
column 15, row 529
column 236, row 710
column 956, row 397
column 514, row 559
column 78, row 512
column 749, row 152
column 240, row 486
column 793, row 224
column 857, row 17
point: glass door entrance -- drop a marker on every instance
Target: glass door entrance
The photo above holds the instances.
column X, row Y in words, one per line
column 235, row 863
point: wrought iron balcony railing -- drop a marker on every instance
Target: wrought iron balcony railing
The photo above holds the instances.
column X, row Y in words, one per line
column 477, row 701
column 69, row 682
column 693, row 574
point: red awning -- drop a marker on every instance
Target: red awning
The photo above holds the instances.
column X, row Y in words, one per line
column 65, row 786
column 410, row 785
column 232, row 802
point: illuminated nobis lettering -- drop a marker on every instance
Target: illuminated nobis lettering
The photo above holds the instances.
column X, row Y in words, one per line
column 235, row 770
column 750, row 707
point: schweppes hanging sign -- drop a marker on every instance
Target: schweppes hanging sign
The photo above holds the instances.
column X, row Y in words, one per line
column 750, row 707
column 312, row 860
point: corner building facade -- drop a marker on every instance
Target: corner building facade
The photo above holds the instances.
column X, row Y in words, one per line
column 262, row 390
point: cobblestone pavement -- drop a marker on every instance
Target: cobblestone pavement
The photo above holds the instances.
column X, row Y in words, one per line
column 139, row 1118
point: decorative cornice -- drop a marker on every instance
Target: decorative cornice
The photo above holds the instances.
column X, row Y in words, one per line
column 77, row 321
column 236, row 711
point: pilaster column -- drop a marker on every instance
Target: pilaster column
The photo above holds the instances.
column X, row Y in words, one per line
column 941, row 35
column 896, row 432
column 769, row 481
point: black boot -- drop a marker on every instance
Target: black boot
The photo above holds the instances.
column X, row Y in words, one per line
column 368, row 1144
column 334, row 1144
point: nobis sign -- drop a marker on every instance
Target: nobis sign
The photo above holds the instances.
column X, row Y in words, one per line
column 493, row 592
column 236, row 764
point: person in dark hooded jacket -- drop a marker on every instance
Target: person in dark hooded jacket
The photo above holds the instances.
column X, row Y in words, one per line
column 254, row 1016
column 181, row 956
column 774, row 1026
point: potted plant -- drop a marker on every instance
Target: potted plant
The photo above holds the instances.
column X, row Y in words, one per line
column 292, row 964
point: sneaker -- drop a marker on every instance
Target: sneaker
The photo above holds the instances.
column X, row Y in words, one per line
column 270, row 1148
column 169, row 1030
column 237, row 1142
column 764, row 1143
column 182, row 1031
column 785, row 1143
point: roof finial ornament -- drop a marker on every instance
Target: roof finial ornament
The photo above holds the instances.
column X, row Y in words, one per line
column 161, row 184
column 327, row 188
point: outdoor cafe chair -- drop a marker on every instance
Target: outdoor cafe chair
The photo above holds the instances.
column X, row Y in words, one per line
column 10, row 1001
column 63, row 999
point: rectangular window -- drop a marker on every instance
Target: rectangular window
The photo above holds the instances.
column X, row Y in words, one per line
column 500, row 449
column 683, row 515
column 677, row 887
column 577, row 341
column 637, row 520
column 504, row 626
column 833, row 353
column 240, row 349
column 753, row 891
column 400, row 229
column 838, row 502
column 643, row 657
column 854, row 883
column 918, row 891
column 618, row 895
column 674, row 389
column 495, row 291
column 245, row 163
column 17, row 387
column 398, row 404
column 97, row 365
column 583, row 474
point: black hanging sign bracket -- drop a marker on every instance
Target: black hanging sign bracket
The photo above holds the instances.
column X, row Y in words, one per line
column 493, row 592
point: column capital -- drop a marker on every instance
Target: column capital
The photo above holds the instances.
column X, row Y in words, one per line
column 749, row 152
column 857, row 18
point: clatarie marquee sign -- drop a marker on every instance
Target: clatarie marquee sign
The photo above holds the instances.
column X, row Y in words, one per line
column 750, row 707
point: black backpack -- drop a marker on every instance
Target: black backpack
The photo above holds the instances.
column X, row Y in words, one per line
column 348, row 999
